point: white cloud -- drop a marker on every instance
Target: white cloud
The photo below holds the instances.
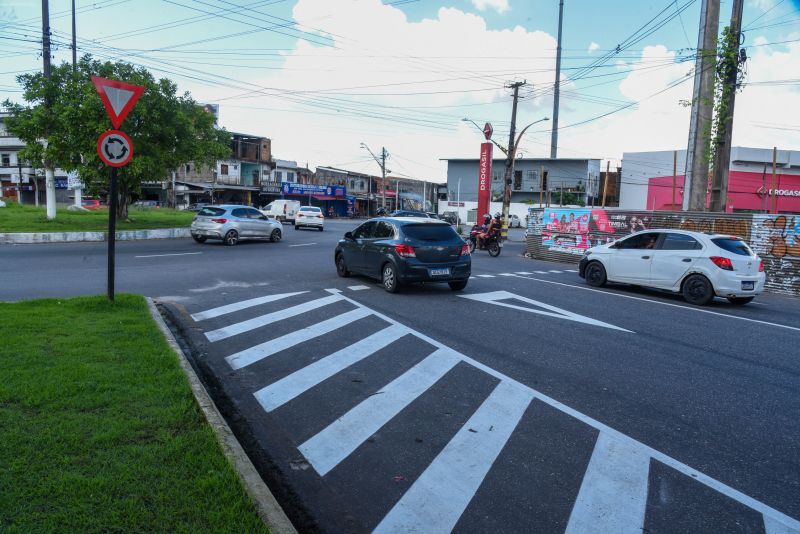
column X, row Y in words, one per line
column 367, row 89
column 593, row 46
column 501, row 6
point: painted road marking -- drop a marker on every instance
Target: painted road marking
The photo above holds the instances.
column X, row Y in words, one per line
column 552, row 271
column 236, row 306
column 268, row 348
column 523, row 272
column 775, row 521
column 572, row 270
column 613, row 494
column 689, row 308
column 486, row 275
column 540, row 272
column 289, row 387
column 163, row 255
column 444, row 490
column 336, row 442
column 358, row 288
column 506, row 274
column 495, row 297
column 263, row 320
column 302, row 245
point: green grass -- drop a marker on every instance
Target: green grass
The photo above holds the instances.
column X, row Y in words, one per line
column 16, row 218
column 99, row 430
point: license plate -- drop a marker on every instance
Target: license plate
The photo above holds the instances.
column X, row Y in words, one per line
column 748, row 286
column 440, row 272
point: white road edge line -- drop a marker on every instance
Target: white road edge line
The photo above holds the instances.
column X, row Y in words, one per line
column 767, row 511
column 302, row 245
column 663, row 303
column 436, row 500
column 174, row 254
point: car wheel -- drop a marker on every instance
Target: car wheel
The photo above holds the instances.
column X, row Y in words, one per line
column 296, row 226
column 275, row 236
column 494, row 249
column 595, row 274
column 231, row 238
column 389, row 278
column 697, row 290
column 341, row 267
column 739, row 301
column 199, row 238
column 321, row 229
column 458, row 285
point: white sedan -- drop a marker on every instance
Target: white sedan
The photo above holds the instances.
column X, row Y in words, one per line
column 697, row 265
column 309, row 217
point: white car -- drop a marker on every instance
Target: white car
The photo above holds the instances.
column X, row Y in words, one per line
column 309, row 217
column 514, row 221
column 697, row 265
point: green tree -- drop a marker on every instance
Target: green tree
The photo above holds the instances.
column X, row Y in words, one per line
column 168, row 130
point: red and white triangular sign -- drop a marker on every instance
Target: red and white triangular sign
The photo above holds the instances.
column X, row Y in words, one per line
column 118, row 97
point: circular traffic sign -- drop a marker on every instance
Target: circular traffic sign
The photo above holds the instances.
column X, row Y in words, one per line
column 114, row 148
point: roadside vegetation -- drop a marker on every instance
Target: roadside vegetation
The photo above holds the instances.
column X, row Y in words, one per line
column 101, row 432
column 16, row 218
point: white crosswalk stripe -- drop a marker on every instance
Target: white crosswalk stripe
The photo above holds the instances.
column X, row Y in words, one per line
column 263, row 320
column 572, row 270
column 268, row 348
column 326, row 449
column 486, row 276
column 613, row 494
column 524, row 273
column 554, row 271
column 237, row 306
column 441, row 494
column 284, row 390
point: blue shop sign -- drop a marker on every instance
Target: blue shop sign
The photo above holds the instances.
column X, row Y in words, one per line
column 291, row 188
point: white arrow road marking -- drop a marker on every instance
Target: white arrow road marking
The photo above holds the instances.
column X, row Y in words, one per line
column 552, row 311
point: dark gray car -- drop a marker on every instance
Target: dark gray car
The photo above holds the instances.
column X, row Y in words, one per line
column 401, row 250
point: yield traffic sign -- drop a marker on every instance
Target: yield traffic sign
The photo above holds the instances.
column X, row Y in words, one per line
column 114, row 148
column 118, row 97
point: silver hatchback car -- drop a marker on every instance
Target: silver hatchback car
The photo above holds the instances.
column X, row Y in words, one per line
column 231, row 223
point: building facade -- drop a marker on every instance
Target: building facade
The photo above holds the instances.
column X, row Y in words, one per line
column 648, row 181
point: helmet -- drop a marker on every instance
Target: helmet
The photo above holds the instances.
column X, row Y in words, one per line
column 486, row 216
column 497, row 215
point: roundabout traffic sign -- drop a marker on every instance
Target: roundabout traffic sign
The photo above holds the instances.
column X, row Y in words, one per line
column 115, row 148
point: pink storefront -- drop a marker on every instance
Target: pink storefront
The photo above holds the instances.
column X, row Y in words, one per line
column 747, row 192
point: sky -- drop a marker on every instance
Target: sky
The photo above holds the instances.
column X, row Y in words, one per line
column 321, row 77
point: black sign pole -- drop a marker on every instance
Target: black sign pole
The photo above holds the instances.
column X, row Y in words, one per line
column 112, row 231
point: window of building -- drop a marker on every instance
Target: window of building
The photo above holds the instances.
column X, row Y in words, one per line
column 223, row 169
column 544, row 181
column 279, row 175
column 496, row 177
column 517, row 180
column 188, row 168
column 290, row 177
column 5, row 159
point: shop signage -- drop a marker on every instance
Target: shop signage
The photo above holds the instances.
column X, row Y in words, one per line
column 484, row 177
column 291, row 188
column 778, row 192
column 273, row 189
column 456, row 204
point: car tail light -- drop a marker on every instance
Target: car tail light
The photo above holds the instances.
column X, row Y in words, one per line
column 464, row 250
column 219, row 221
column 723, row 263
column 320, row 216
column 405, row 251
column 761, row 266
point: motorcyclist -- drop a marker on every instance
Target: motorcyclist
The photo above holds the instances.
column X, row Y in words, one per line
column 484, row 230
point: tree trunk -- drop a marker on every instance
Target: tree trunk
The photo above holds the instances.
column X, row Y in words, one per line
column 123, row 201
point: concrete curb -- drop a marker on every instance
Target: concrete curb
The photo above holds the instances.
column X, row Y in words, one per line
column 72, row 237
column 268, row 508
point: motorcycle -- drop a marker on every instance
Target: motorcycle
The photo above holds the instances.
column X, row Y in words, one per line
column 492, row 244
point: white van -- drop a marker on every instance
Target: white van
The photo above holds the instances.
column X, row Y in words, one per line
column 283, row 210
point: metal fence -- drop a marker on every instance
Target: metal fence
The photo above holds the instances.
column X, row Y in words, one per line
column 562, row 234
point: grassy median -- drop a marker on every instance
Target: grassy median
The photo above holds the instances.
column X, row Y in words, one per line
column 16, row 218
column 99, row 429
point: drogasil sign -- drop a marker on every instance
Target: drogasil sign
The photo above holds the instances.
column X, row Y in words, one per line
column 779, row 192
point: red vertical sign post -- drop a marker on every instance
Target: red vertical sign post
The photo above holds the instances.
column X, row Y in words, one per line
column 115, row 150
column 485, row 173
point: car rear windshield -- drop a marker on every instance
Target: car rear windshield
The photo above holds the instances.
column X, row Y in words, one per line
column 430, row 232
column 737, row 246
column 309, row 209
column 211, row 212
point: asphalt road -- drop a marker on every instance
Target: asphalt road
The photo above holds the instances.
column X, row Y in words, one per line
column 528, row 402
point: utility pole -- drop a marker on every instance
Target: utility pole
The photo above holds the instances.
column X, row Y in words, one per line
column 382, row 163
column 730, row 75
column 557, row 88
column 50, row 179
column 605, row 182
column 74, row 47
column 774, row 200
column 512, row 151
column 696, row 175
column 541, row 185
column 674, row 175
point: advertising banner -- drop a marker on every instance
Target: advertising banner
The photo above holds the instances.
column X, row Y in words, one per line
column 291, row 188
column 484, row 178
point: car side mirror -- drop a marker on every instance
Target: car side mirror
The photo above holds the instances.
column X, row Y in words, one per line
column 348, row 235
column 264, row 218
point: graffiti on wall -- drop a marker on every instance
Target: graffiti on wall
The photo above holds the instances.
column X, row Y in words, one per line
column 776, row 235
